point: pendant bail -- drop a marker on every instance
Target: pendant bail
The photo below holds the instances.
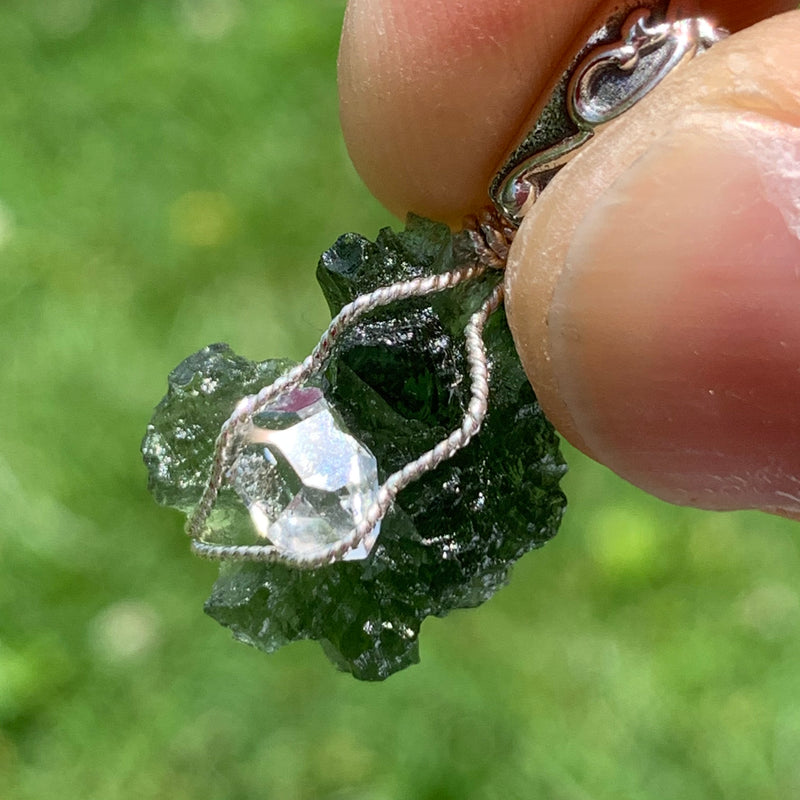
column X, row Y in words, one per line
column 620, row 64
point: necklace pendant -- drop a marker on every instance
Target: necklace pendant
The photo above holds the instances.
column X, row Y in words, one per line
column 278, row 488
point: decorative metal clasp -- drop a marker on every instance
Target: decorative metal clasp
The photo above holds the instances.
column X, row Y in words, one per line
column 604, row 83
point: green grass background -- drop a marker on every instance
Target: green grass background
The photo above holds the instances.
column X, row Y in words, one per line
column 169, row 173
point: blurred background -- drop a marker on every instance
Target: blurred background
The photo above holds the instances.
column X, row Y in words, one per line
column 169, row 174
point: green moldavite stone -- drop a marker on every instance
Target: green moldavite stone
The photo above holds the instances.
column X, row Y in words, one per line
column 398, row 382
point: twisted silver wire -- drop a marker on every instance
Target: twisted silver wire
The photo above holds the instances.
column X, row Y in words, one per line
column 316, row 361
column 444, row 450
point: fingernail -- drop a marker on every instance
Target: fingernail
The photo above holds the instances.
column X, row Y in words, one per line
column 675, row 324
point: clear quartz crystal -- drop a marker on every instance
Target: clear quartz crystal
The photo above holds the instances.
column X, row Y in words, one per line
column 306, row 481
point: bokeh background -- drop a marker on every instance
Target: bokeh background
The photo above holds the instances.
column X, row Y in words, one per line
column 169, row 173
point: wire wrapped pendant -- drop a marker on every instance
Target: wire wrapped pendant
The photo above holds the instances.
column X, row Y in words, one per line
column 404, row 465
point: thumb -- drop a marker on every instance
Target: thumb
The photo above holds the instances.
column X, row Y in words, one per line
column 654, row 289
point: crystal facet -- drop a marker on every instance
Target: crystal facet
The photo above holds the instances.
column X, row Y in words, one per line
column 304, row 479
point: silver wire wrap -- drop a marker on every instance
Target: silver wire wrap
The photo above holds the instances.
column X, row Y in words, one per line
column 226, row 442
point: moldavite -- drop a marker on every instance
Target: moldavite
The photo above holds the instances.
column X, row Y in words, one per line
column 395, row 387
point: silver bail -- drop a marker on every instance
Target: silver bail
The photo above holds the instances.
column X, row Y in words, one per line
column 618, row 66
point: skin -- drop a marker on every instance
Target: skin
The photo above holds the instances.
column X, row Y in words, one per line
column 653, row 289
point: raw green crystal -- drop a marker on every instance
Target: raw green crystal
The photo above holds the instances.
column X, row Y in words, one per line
column 398, row 380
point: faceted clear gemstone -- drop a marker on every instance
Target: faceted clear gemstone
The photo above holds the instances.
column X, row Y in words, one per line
column 304, row 479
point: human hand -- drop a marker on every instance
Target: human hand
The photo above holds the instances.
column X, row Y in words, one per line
column 654, row 289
